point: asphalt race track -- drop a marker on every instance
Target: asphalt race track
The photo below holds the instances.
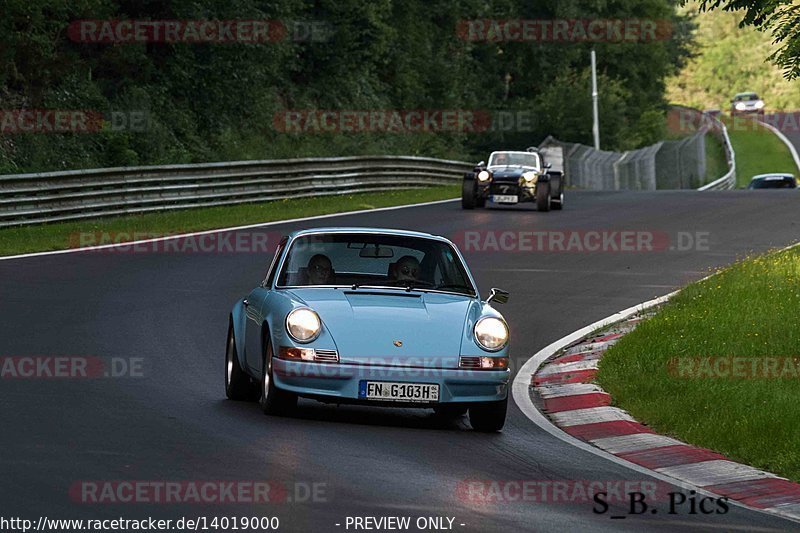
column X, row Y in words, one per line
column 173, row 423
column 788, row 124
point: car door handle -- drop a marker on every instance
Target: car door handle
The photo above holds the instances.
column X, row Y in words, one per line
column 246, row 302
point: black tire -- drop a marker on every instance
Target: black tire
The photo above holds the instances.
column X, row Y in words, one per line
column 273, row 400
column 543, row 197
column 488, row 417
column 468, row 194
column 238, row 385
column 450, row 411
column 480, row 201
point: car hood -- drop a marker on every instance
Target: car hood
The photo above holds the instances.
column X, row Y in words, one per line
column 366, row 324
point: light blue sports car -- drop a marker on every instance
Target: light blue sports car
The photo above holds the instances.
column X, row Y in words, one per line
column 370, row 316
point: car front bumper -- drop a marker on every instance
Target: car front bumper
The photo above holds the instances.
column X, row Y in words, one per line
column 332, row 381
column 752, row 111
column 526, row 193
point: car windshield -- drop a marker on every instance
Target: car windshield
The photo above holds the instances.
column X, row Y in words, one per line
column 774, row 182
column 359, row 260
column 746, row 97
column 522, row 159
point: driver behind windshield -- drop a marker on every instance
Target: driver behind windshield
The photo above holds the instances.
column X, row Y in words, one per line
column 500, row 159
column 406, row 269
column 320, row 270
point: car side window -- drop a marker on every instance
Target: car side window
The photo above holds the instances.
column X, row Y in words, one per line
column 273, row 266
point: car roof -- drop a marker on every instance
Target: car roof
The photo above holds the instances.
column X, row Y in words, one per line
column 369, row 231
column 514, row 152
column 773, row 175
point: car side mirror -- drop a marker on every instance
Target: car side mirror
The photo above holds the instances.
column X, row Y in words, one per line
column 547, row 166
column 497, row 295
column 481, row 164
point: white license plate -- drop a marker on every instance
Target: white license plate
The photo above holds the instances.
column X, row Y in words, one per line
column 505, row 198
column 400, row 392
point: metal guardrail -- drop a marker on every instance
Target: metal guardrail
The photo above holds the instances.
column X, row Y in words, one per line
column 669, row 164
column 714, row 125
column 79, row 194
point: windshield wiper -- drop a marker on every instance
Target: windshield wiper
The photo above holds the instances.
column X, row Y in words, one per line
column 408, row 286
column 415, row 284
column 357, row 286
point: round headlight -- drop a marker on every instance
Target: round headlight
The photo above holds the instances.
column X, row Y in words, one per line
column 759, row 104
column 740, row 106
column 483, row 175
column 491, row 333
column 531, row 177
column 303, row 324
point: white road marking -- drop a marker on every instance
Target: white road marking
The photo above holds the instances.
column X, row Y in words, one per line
column 715, row 472
column 791, row 508
column 591, row 415
column 634, row 443
column 590, row 347
column 562, row 368
column 570, row 389
column 222, row 230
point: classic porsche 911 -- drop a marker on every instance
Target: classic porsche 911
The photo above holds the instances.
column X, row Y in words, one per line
column 370, row 316
column 514, row 177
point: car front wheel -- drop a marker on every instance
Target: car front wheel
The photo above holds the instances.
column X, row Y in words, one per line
column 468, row 194
column 273, row 401
column 543, row 197
column 237, row 383
column 488, row 417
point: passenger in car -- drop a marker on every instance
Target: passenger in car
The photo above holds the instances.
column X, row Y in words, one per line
column 405, row 269
column 320, row 270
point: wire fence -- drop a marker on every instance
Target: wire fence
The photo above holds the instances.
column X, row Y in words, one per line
column 672, row 164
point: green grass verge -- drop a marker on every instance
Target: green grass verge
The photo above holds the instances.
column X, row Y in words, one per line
column 727, row 60
column 716, row 162
column 758, row 150
column 59, row 236
column 749, row 310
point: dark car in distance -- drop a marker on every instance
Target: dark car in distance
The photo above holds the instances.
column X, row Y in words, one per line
column 773, row 181
column 513, row 177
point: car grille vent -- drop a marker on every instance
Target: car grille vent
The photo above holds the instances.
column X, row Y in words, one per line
column 503, row 188
column 470, row 362
column 329, row 356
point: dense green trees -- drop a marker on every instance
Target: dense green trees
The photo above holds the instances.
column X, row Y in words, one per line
column 224, row 101
column 779, row 17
